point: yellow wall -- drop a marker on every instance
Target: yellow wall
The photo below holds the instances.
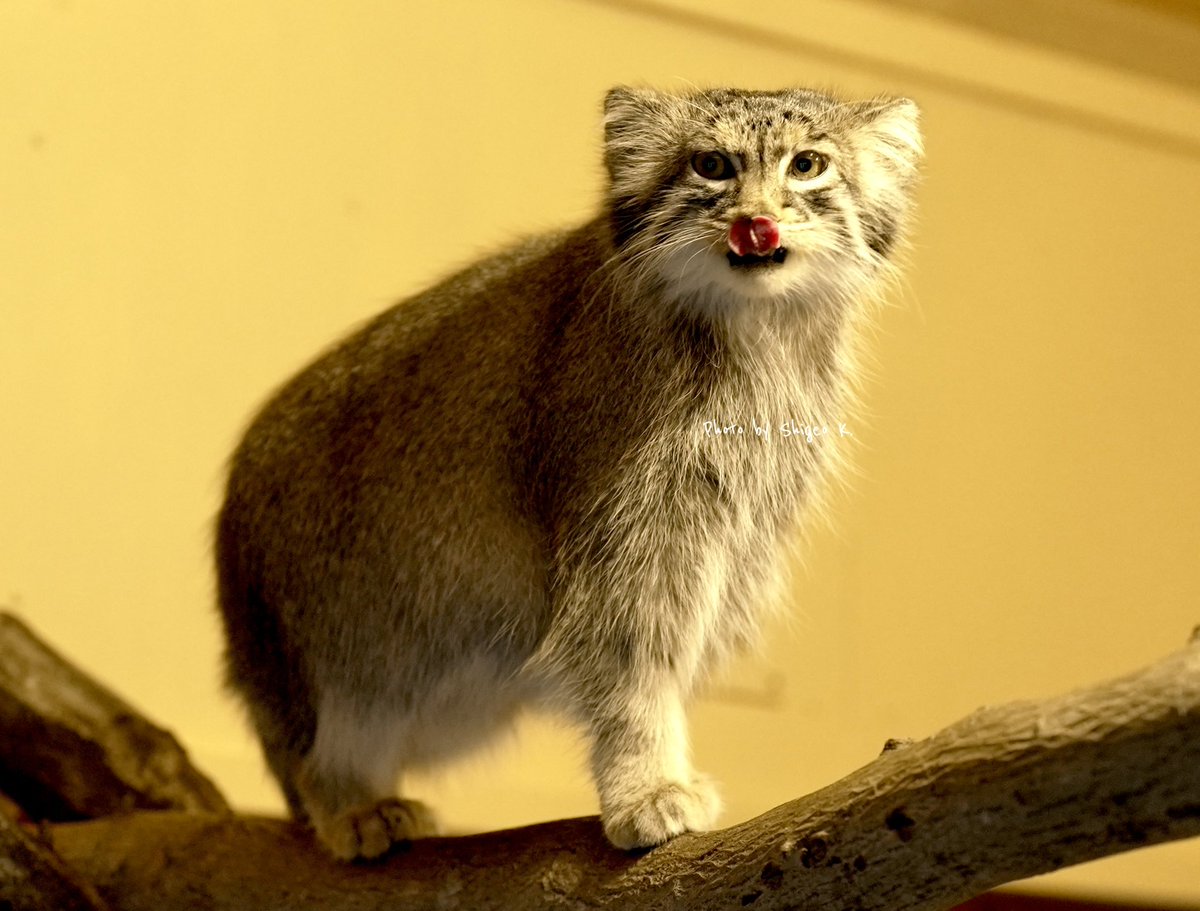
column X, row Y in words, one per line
column 195, row 197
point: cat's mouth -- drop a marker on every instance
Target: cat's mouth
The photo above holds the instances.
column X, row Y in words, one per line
column 754, row 261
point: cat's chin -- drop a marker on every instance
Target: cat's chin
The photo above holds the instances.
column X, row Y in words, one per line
column 723, row 280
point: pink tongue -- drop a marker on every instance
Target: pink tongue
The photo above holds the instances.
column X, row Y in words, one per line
column 758, row 235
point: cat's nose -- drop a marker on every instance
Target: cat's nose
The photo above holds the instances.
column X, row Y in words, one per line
column 757, row 236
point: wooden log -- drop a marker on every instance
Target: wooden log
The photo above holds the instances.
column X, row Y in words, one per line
column 1009, row 792
column 71, row 749
column 32, row 878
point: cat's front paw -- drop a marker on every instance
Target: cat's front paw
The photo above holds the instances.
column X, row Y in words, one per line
column 368, row 831
column 651, row 816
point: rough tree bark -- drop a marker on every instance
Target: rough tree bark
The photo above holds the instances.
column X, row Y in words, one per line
column 1009, row 792
column 33, row 878
column 71, row 749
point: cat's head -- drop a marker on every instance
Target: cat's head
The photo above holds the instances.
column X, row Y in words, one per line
column 727, row 196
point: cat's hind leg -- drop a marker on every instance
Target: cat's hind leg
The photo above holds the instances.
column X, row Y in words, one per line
column 347, row 784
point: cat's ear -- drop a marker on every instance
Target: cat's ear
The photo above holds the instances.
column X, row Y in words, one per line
column 886, row 138
column 890, row 131
column 627, row 108
column 634, row 132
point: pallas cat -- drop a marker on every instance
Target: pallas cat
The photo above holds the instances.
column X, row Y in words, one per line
column 506, row 492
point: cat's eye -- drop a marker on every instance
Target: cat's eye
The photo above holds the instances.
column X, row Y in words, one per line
column 713, row 166
column 808, row 164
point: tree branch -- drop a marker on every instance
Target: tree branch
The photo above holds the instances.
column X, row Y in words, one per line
column 33, row 878
column 1009, row 792
column 74, row 749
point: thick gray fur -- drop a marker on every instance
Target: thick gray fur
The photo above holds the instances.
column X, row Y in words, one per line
column 501, row 493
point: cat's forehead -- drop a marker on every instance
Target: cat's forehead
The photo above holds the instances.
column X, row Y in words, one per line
column 751, row 117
